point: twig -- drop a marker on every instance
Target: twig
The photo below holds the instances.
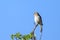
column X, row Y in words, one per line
column 41, row 36
column 34, row 38
column 34, row 28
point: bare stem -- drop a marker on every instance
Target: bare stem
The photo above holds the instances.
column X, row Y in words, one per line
column 34, row 28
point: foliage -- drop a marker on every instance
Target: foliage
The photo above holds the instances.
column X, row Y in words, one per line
column 19, row 36
column 30, row 36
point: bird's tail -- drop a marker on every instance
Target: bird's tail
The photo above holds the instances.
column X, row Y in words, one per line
column 41, row 28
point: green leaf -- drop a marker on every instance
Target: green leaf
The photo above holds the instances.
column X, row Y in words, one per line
column 12, row 37
column 18, row 35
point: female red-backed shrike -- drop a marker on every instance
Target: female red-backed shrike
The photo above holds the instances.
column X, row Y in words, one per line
column 38, row 20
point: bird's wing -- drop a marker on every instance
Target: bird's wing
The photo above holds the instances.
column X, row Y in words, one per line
column 40, row 18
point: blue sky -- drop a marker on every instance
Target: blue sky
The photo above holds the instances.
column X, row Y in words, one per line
column 17, row 16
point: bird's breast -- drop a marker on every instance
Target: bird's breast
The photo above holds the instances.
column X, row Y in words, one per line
column 36, row 19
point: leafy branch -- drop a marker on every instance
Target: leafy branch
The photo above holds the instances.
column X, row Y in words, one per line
column 19, row 36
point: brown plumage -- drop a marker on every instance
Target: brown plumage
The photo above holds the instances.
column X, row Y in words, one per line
column 38, row 20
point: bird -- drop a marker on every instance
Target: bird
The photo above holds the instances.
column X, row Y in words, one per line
column 38, row 20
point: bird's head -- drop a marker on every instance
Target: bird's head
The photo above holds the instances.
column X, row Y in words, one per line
column 36, row 13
